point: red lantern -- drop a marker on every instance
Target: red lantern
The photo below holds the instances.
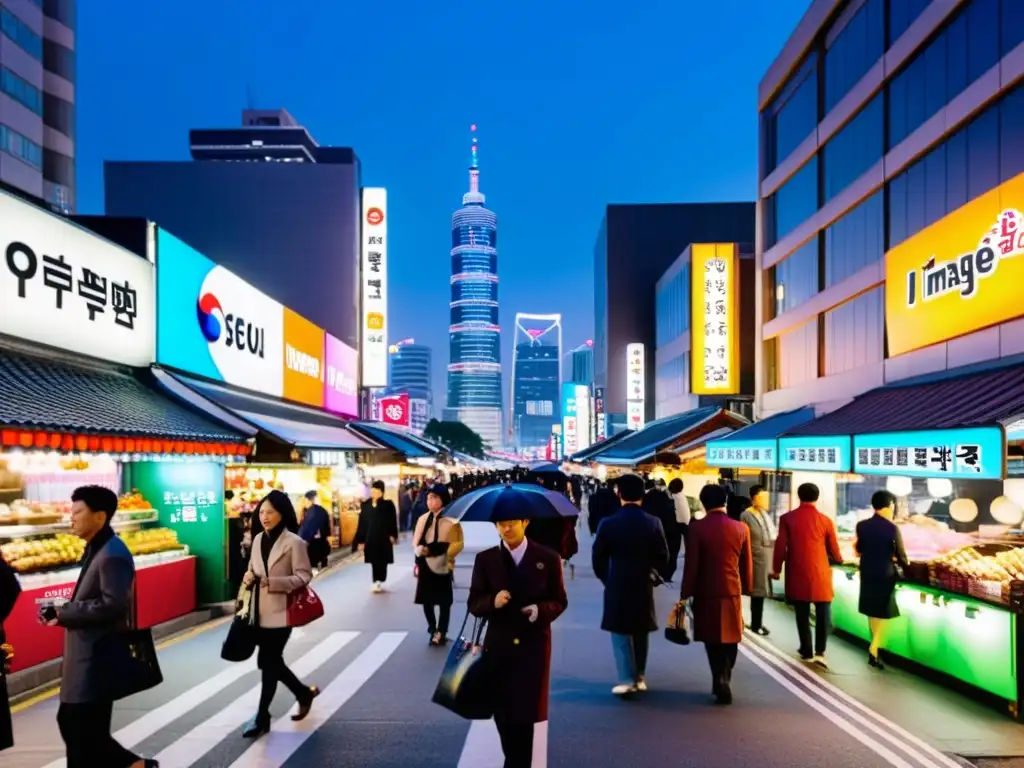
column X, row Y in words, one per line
column 118, row 445
column 106, row 444
column 9, row 438
column 168, row 445
column 55, row 440
column 147, row 446
column 189, row 448
column 179, row 446
column 129, row 445
column 94, row 443
column 81, row 443
column 25, row 439
column 67, row 443
column 40, row 440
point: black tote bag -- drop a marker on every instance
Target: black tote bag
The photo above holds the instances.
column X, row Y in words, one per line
column 240, row 643
column 464, row 687
column 127, row 660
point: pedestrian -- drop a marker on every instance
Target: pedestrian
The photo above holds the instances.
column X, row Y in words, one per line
column 629, row 546
column 717, row 572
column 658, row 503
column 880, row 546
column 758, row 518
column 279, row 566
column 9, row 591
column 806, row 545
column 315, row 530
column 603, row 503
column 101, row 605
column 377, row 534
column 681, row 502
column 437, row 541
column 518, row 588
column 405, row 504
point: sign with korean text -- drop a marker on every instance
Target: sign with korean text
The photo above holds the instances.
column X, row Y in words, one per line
column 601, row 430
column 394, row 410
column 714, row 326
column 375, row 287
column 748, row 454
column 959, row 275
column 815, row 453
column 570, row 426
column 975, row 453
column 65, row 287
column 584, row 422
column 636, row 384
column 341, row 382
column 304, row 369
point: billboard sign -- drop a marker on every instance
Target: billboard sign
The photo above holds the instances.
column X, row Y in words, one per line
column 341, row 382
column 636, row 384
column 375, row 287
column 394, row 410
column 65, row 287
column 971, row 453
column 584, row 422
column 601, row 428
column 570, row 429
column 714, row 338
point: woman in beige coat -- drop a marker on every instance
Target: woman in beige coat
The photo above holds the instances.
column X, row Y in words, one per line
column 278, row 566
column 436, row 543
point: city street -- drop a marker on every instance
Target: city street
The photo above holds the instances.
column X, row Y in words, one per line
column 371, row 659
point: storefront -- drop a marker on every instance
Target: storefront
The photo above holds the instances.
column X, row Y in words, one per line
column 75, row 409
column 231, row 351
column 406, row 458
column 941, row 447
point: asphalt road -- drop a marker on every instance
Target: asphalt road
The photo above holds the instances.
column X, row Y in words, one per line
column 370, row 657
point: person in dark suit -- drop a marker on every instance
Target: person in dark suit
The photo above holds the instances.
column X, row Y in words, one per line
column 315, row 530
column 100, row 606
column 377, row 534
column 880, row 546
column 9, row 591
column 603, row 503
column 629, row 546
column 658, row 503
column 517, row 587
column 717, row 572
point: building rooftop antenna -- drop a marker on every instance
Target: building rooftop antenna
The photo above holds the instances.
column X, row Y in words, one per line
column 474, row 195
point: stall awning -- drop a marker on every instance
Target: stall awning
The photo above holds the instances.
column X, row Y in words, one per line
column 665, row 434
column 38, row 393
column 293, row 425
column 756, row 445
column 596, row 448
column 946, row 425
column 405, row 443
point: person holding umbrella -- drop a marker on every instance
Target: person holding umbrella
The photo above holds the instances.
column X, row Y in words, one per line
column 517, row 587
column 436, row 542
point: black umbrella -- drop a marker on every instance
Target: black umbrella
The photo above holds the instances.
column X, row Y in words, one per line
column 521, row 501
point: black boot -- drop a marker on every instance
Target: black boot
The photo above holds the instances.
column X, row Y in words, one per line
column 258, row 726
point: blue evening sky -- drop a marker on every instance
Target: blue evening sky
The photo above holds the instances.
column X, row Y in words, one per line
column 578, row 104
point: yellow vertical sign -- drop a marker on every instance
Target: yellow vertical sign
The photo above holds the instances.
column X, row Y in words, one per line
column 714, row 323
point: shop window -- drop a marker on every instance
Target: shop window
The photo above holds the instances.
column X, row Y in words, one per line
column 858, row 43
column 792, row 116
column 903, row 13
column 855, row 240
column 792, row 357
column 855, row 333
column 852, row 151
column 793, row 203
column 796, row 277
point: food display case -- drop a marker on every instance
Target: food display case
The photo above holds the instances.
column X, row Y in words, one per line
column 37, row 542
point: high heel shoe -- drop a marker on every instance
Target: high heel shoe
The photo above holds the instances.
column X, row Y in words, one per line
column 256, row 727
column 306, row 704
column 875, row 662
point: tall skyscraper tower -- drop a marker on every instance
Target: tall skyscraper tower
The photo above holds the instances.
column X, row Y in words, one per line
column 536, row 381
column 409, row 372
column 474, row 375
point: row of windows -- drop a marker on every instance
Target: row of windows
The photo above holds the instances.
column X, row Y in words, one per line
column 59, row 114
column 792, row 357
column 796, row 277
column 854, row 333
column 792, row 203
column 672, row 379
column 21, row 91
column 853, row 150
column 793, row 115
column 672, row 308
column 854, row 51
column 59, row 60
column 13, row 143
column 60, row 10
column 903, row 13
column 22, row 35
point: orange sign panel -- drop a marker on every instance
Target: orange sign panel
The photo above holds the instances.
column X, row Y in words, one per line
column 960, row 275
column 303, row 360
column 714, row 326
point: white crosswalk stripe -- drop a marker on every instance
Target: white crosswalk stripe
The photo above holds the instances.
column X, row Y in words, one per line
column 482, row 748
column 188, row 750
column 286, row 737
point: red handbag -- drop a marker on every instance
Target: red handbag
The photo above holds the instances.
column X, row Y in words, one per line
column 304, row 607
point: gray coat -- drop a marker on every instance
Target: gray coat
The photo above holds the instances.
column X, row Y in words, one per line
column 762, row 549
column 102, row 604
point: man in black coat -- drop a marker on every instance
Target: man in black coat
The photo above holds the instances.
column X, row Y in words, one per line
column 377, row 534
column 630, row 545
column 658, row 503
column 603, row 503
column 518, row 588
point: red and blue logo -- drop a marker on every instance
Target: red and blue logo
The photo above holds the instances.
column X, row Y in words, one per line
column 209, row 314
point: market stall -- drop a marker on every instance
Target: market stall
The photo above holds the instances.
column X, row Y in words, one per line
column 406, row 458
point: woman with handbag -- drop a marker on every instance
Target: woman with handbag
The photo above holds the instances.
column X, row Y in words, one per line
column 279, row 567
column 437, row 541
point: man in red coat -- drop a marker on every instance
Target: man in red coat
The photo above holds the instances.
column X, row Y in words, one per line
column 717, row 571
column 806, row 544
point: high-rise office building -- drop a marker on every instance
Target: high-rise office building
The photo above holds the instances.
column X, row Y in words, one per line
column 536, row 380
column 582, row 363
column 264, row 200
column 37, row 100
column 409, row 372
column 474, row 374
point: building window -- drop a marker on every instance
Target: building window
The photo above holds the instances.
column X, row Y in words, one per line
column 16, row 145
column 58, row 168
column 852, row 151
column 792, row 357
column 59, row 60
column 903, row 13
column 22, row 35
column 855, row 240
column 672, row 379
column 672, row 307
column 854, row 333
column 792, row 116
column 792, row 203
column 21, row 91
column 965, row 50
column 62, row 11
column 796, row 277
column 854, row 50
column 59, row 115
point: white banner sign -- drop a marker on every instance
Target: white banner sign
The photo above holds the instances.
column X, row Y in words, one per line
column 375, row 287
column 635, row 386
column 65, row 287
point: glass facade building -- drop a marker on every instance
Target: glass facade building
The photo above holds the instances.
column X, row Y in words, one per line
column 474, row 374
column 536, row 380
column 886, row 117
column 582, row 364
column 409, row 372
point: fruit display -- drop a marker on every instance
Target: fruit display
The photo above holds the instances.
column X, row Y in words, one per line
column 984, row 571
column 62, row 550
column 24, row 512
column 151, row 541
column 133, row 502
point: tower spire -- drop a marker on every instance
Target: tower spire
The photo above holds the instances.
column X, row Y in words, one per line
column 474, row 195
